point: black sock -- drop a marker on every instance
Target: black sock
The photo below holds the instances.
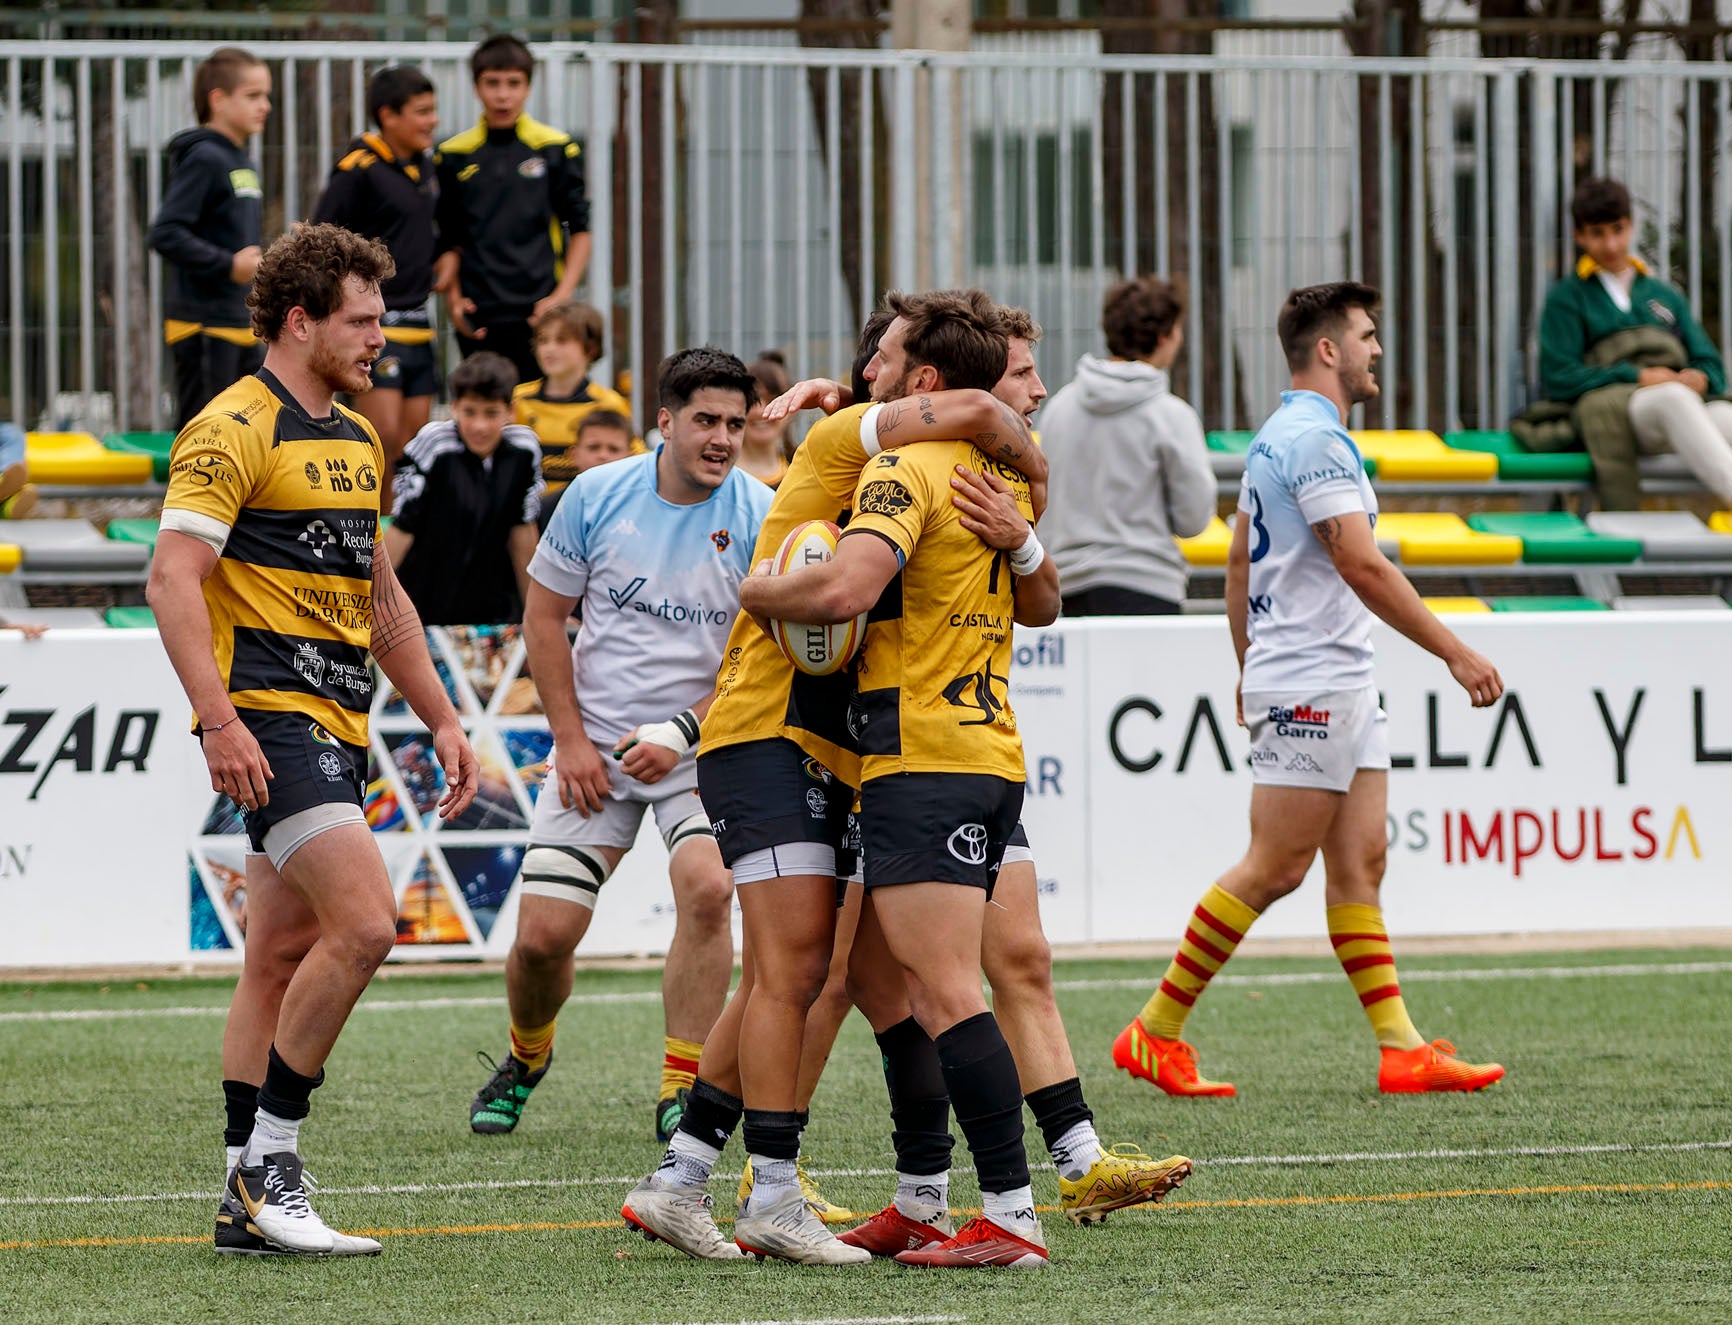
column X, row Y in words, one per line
column 919, row 1103
column 1058, row 1108
column 773, row 1133
column 981, row 1075
column 286, row 1093
column 241, row 1100
column 711, row 1114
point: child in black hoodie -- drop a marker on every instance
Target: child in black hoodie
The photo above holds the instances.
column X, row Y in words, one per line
column 208, row 228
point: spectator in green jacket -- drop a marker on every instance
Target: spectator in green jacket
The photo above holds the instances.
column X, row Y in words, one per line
column 1612, row 295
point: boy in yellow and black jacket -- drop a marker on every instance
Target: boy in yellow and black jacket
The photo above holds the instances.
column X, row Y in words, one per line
column 513, row 216
column 208, row 229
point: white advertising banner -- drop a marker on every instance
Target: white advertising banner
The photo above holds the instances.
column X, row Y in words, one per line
column 1591, row 797
column 94, row 760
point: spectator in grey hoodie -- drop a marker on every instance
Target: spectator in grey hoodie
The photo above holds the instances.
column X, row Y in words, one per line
column 1130, row 471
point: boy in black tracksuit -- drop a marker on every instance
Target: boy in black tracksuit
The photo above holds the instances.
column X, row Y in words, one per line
column 208, row 229
column 383, row 187
column 510, row 193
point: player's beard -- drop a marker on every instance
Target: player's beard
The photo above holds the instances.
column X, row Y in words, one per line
column 884, row 392
column 1363, row 387
column 335, row 371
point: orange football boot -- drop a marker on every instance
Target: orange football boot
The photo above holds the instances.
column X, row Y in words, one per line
column 1169, row 1064
column 1432, row 1067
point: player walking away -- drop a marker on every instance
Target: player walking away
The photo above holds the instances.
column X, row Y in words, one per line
column 654, row 548
column 1014, row 954
column 941, row 760
column 555, row 404
column 468, row 499
column 382, row 187
column 779, row 771
column 270, row 588
column 1304, row 576
column 207, row 229
column 513, row 219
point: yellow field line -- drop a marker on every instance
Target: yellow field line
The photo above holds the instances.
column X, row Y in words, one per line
column 1237, row 1203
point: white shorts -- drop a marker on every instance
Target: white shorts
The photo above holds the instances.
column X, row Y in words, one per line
column 1305, row 739
column 674, row 800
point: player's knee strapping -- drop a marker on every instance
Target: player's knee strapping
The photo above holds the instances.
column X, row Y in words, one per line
column 690, row 829
column 567, row 874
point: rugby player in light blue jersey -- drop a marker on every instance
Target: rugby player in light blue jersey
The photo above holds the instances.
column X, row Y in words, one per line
column 1304, row 577
column 653, row 548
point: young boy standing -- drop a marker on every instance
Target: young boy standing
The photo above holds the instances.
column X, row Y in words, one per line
column 208, row 229
column 472, row 485
column 567, row 341
column 513, row 218
column 383, row 188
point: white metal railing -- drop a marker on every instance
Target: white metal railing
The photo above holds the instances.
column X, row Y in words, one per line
column 764, row 197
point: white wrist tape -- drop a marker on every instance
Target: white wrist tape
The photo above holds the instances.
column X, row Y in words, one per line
column 869, row 431
column 1027, row 558
column 679, row 733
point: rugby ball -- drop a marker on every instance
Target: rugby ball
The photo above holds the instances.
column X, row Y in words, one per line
column 815, row 650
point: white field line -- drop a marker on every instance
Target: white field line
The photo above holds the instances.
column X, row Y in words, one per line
column 1256, row 1161
column 1408, row 976
column 850, row 1320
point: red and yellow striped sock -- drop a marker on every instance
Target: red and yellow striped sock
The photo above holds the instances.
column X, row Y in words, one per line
column 679, row 1065
column 532, row 1045
column 1362, row 947
column 1216, row 927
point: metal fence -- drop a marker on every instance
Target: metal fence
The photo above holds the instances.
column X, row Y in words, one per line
column 765, row 197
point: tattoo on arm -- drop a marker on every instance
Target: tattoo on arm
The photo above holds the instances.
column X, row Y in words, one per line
column 395, row 619
column 1328, row 533
column 926, row 415
column 888, row 419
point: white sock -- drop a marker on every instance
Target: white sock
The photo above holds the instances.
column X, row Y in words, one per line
column 1013, row 1210
column 923, row 1197
column 232, row 1156
column 688, row 1161
column 271, row 1135
column 772, row 1179
column 1074, row 1153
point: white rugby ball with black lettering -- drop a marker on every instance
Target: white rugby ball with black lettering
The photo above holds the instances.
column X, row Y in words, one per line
column 815, row 650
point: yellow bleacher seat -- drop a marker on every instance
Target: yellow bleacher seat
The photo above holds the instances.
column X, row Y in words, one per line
column 77, row 458
column 1208, row 548
column 1442, row 538
column 11, row 555
column 1410, row 455
column 1721, row 522
column 1457, row 605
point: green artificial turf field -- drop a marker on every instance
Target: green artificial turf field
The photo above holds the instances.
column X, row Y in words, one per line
column 1595, row 1182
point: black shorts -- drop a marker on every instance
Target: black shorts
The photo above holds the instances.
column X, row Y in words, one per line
column 205, row 366
column 309, row 767
column 937, row 827
column 411, row 369
column 771, row 793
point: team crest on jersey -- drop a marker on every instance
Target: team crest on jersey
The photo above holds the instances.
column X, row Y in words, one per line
column 312, row 472
column 310, row 663
column 532, row 168
column 721, row 538
column 317, row 535
column 366, row 479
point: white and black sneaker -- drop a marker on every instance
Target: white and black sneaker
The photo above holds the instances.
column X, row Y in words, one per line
column 237, row 1235
column 273, row 1196
column 787, row 1229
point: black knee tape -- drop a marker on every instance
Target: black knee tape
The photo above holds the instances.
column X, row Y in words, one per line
column 772, row 1133
column 981, row 1075
column 286, row 1093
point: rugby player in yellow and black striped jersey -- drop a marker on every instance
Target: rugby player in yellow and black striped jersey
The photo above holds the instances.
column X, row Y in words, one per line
column 270, row 589
column 942, row 767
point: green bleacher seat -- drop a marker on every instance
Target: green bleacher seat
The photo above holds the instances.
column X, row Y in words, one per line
column 130, row 618
column 1555, row 537
column 1516, row 463
column 135, row 531
column 1233, row 443
column 1547, row 603
column 156, row 445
